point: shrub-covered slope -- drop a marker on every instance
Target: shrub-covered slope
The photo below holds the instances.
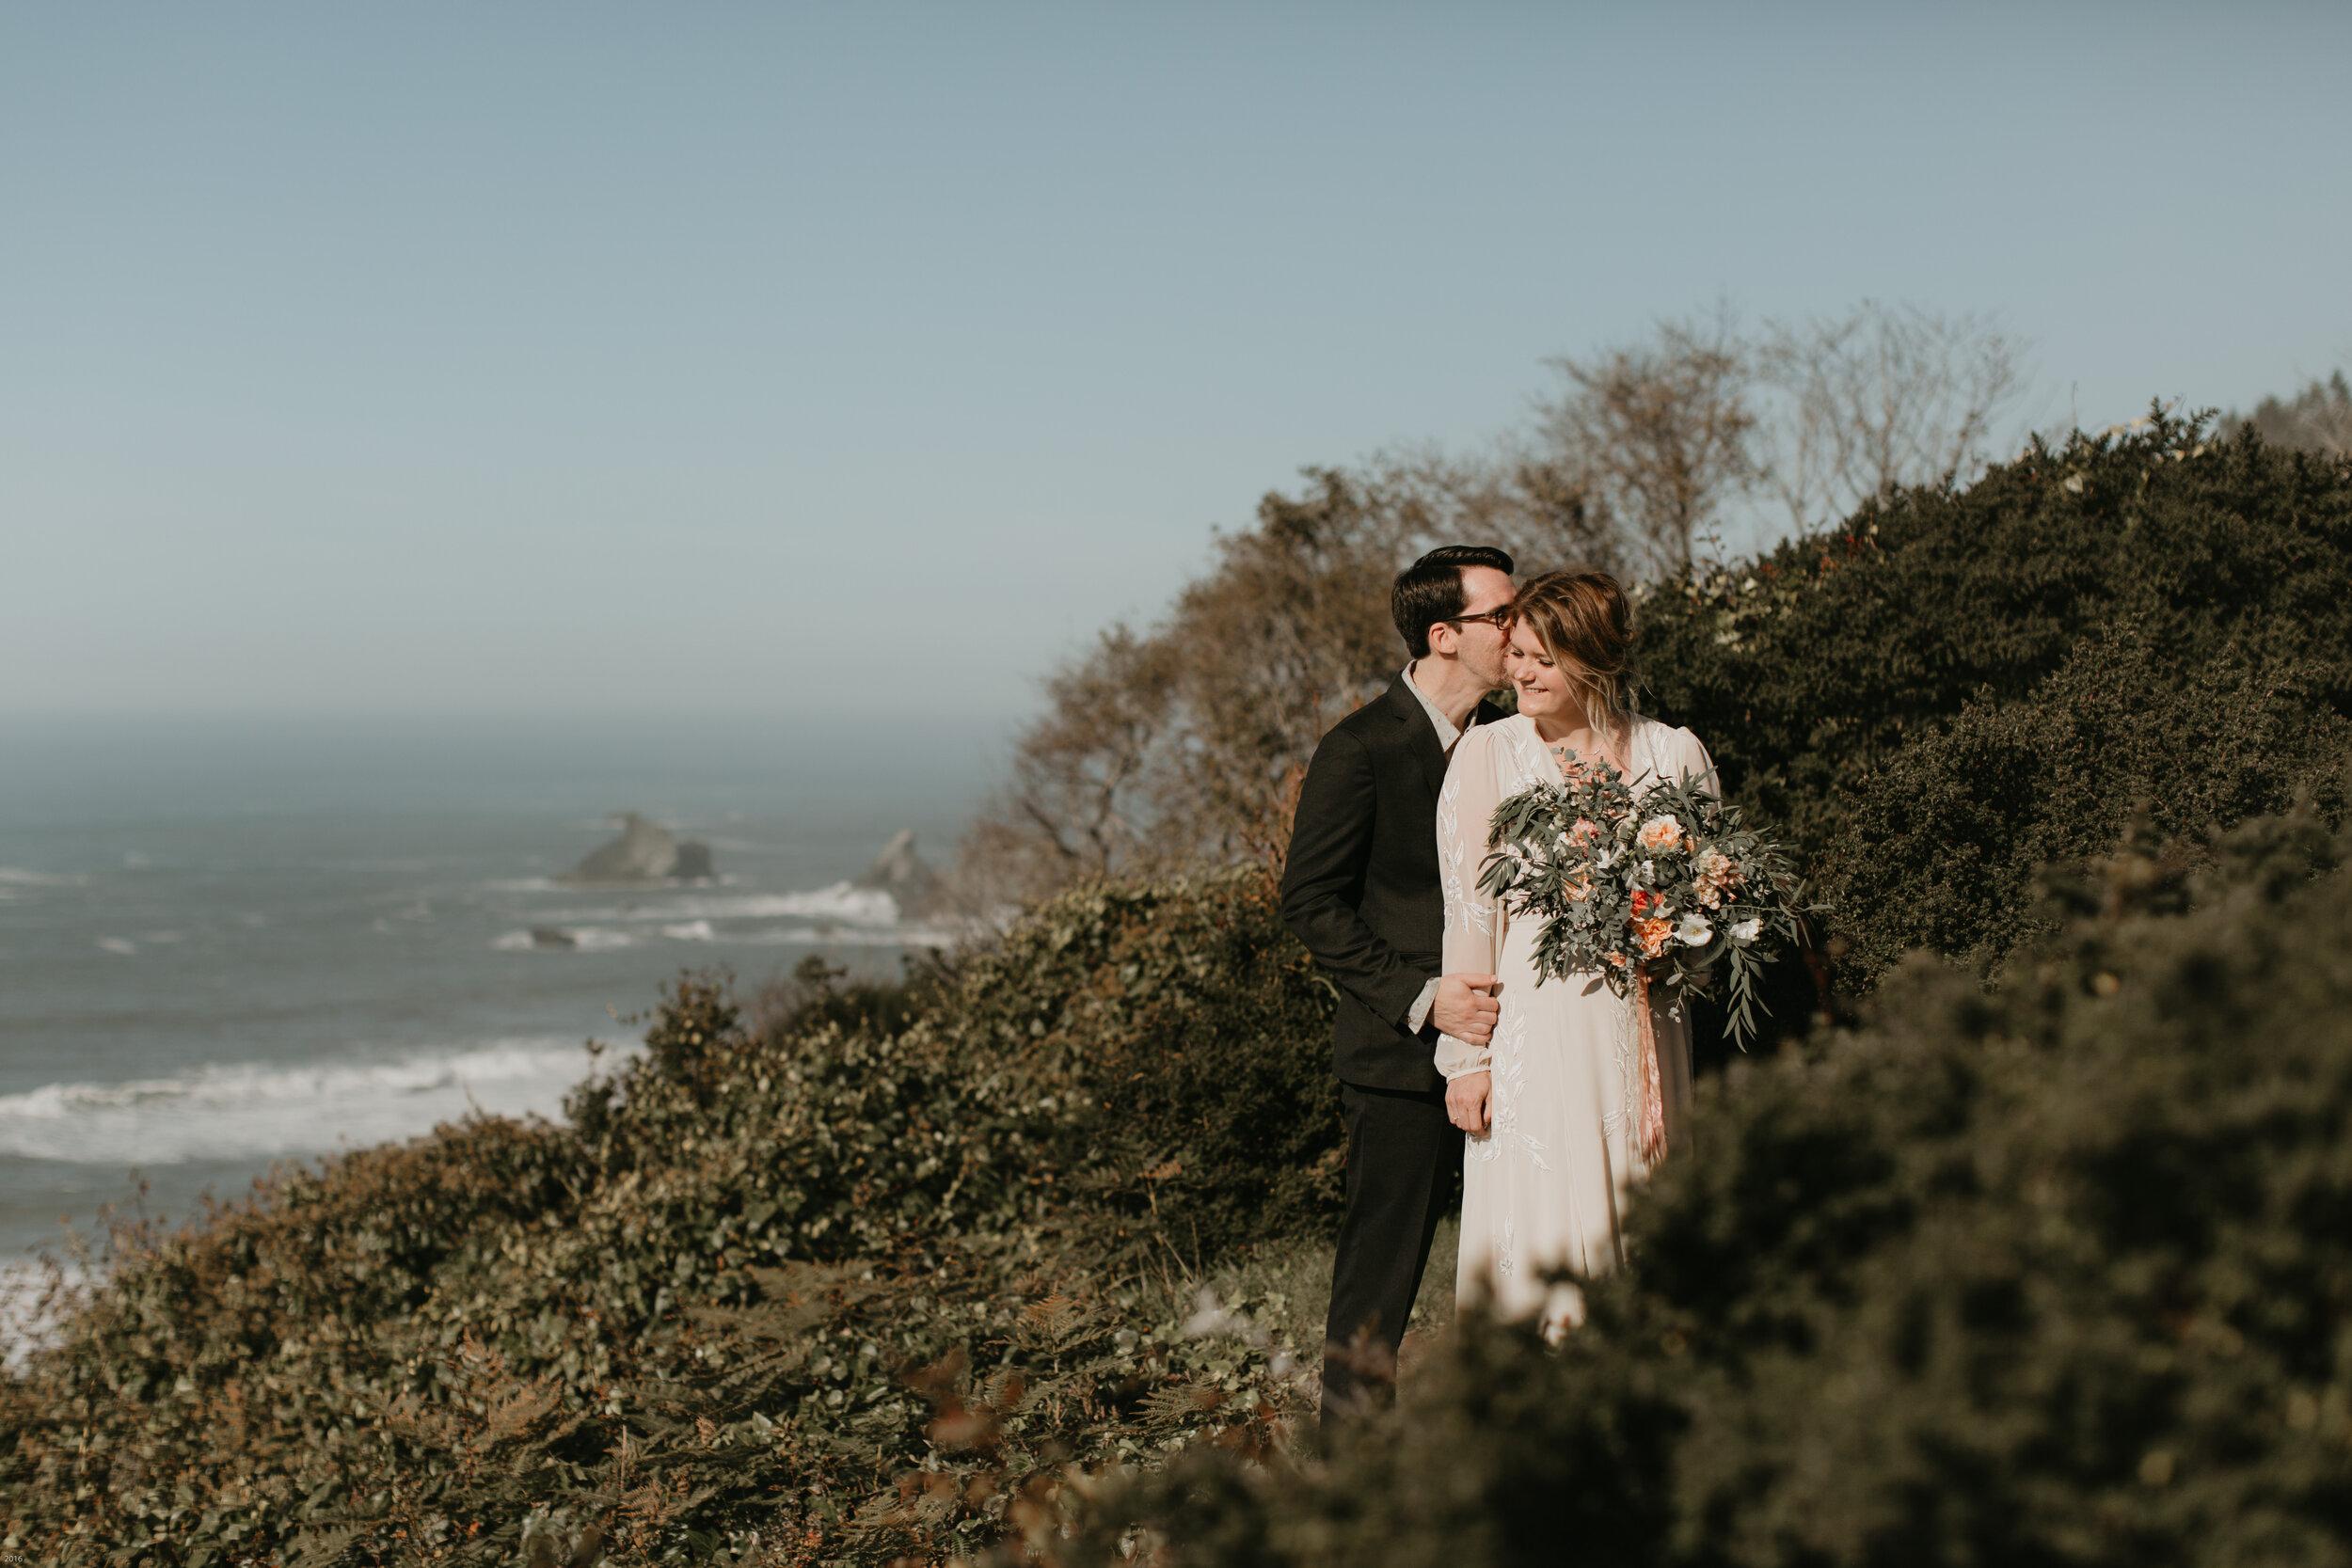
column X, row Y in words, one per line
column 1963, row 683
column 2060, row 1274
column 2050, row 1272
column 769, row 1272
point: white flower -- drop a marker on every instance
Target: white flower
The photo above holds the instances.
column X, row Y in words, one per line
column 1744, row 931
column 1693, row 931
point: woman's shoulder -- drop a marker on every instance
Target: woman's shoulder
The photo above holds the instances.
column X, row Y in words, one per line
column 1503, row 732
column 1672, row 743
column 1487, row 746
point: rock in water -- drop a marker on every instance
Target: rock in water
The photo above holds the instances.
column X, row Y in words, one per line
column 901, row 871
column 550, row 936
column 644, row 852
column 694, row 861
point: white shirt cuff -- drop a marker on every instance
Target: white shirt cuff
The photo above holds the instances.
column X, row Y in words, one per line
column 1418, row 1014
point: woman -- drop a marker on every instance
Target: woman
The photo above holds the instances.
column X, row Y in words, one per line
column 1553, row 1107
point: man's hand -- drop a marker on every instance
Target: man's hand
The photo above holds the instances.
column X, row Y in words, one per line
column 1463, row 1008
column 1466, row 1101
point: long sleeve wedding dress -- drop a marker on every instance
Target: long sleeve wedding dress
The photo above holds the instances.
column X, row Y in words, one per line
column 1544, row 1185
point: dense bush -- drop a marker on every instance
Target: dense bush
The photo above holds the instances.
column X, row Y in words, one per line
column 2059, row 1274
column 2217, row 577
column 771, row 1272
column 1945, row 835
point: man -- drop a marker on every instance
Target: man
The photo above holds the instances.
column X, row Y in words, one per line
column 1361, row 891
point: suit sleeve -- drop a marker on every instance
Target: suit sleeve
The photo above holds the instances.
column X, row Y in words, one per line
column 1324, row 878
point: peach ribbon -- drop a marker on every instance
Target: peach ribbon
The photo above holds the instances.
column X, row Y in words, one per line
column 1650, row 1137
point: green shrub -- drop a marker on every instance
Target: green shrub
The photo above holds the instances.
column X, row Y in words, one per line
column 2060, row 1272
column 1813, row 674
column 850, row 1274
column 1943, row 837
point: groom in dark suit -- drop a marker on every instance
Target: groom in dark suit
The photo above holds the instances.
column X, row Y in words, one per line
column 1361, row 891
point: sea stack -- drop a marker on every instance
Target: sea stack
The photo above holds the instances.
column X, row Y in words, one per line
column 898, row 871
column 646, row 853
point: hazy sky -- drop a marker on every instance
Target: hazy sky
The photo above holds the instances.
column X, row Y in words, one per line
column 572, row 358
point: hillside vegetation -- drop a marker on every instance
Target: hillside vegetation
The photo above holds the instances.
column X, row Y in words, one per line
column 2056, row 1273
column 1962, row 685
column 2035, row 1252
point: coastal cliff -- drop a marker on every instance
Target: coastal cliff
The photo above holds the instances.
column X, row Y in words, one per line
column 2025, row 1232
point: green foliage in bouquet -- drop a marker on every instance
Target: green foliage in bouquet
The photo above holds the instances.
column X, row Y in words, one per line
column 1665, row 883
column 1882, row 694
column 2056, row 1273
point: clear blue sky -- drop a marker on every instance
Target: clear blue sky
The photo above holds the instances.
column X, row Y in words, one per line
column 766, row 359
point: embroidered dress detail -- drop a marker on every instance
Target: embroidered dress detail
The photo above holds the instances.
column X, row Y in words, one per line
column 1576, row 1116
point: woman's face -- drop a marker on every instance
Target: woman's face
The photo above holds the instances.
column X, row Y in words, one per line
column 1543, row 686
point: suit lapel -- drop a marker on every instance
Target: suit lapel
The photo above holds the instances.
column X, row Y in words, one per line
column 1420, row 739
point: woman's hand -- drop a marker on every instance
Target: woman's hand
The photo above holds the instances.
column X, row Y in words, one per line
column 1466, row 1101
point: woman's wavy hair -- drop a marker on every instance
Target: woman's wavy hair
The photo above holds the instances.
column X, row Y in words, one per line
column 1585, row 623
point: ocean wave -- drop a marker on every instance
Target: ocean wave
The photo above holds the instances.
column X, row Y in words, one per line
column 255, row 1111
column 14, row 876
column 33, row 1297
column 844, row 936
column 839, row 904
column 567, row 938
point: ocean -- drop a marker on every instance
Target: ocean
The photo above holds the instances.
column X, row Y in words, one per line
column 231, row 943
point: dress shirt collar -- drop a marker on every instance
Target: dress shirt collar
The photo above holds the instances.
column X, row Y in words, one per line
column 1447, row 733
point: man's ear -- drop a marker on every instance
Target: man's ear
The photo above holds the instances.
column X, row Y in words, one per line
column 1444, row 640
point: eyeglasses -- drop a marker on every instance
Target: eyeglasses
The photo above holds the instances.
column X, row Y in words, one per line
column 1499, row 618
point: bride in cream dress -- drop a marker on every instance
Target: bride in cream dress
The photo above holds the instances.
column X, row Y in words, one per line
column 1554, row 1107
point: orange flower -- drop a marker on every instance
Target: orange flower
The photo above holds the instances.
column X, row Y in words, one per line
column 1653, row 935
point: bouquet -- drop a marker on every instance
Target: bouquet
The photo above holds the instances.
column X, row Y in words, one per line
column 1662, row 887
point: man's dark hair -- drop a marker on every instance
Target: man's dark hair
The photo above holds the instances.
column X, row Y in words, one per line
column 1430, row 590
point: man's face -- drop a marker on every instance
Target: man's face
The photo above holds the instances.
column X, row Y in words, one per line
column 1478, row 643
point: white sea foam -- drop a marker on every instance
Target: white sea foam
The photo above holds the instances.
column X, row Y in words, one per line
column 40, row 878
column 844, row 936
column 567, row 938
column 29, row 1305
column 258, row 1110
column 839, row 904
column 124, row 945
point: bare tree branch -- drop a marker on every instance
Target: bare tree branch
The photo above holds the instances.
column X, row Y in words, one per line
column 1876, row 399
column 1656, row 435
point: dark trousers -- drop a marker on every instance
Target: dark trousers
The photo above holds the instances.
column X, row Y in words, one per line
column 1403, row 1159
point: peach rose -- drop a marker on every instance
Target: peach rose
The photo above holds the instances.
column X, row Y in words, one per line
column 1715, row 877
column 1653, row 935
column 1660, row 832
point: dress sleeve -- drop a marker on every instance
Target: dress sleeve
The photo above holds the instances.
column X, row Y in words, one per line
column 1473, row 919
column 1693, row 761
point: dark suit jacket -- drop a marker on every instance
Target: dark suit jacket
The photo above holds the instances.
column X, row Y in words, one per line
column 1361, row 885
